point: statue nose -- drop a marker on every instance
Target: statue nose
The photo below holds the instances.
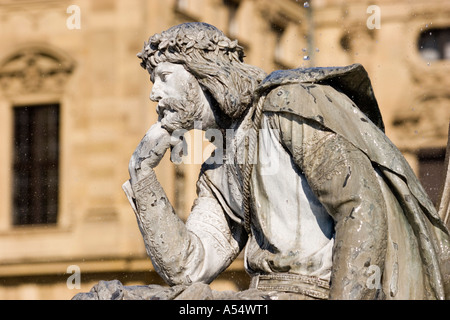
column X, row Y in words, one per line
column 155, row 95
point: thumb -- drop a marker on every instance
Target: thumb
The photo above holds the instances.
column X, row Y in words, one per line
column 158, row 151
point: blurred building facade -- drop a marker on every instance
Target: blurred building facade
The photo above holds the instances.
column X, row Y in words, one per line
column 74, row 105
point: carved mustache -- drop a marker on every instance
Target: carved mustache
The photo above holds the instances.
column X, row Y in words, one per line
column 169, row 105
column 175, row 114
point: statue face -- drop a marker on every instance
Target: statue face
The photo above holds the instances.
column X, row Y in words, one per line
column 170, row 80
column 181, row 101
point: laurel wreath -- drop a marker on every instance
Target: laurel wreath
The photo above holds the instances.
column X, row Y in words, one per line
column 186, row 42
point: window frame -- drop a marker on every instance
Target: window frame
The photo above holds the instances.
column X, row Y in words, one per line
column 41, row 205
column 431, row 171
column 438, row 35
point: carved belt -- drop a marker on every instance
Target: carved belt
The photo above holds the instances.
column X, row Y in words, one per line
column 288, row 282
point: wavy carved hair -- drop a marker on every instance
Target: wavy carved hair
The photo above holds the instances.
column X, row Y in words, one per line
column 215, row 60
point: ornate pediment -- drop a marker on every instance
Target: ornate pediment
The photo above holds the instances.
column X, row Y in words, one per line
column 34, row 69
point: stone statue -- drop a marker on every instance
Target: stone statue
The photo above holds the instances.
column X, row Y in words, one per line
column 307, row 182
column 444, row 204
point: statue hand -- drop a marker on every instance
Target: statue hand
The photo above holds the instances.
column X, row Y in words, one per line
column 152, row 148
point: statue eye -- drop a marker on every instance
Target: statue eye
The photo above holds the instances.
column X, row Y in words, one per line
column 164, row 76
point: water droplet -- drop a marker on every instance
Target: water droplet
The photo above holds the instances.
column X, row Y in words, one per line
column 306, row 4
column 304, row 49
column 305, row 57
column 317, row 50
column 428, row 63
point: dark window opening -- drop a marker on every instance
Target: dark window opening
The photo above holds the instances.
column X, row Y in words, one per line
column 36, row 164
column 232, row 7
column 278, row 30
column 434, row 44
column 432, row 172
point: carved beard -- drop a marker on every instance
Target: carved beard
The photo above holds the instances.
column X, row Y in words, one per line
column 180, row 113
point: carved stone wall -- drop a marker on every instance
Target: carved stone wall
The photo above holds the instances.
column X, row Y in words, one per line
column 34, row 69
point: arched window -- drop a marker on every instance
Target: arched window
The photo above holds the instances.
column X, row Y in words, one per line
column 28, row 75
column 434, row 44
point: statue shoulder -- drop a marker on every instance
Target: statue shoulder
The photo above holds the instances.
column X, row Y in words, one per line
column 284, row 98
column 309, row 75
column 352, row 81
column 300, row 100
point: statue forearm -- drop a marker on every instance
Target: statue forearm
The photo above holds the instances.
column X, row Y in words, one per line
column 344, row 181
column 359, row 251
column 352, row 195
column 167, row 241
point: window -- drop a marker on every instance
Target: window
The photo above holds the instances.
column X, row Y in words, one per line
column 278, row 31
column 182, row 5
column 434, row 44
column 232, row 7
column 36, row 164
column 432, row 172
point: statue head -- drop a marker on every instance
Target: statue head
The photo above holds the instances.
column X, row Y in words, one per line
column 214, row 60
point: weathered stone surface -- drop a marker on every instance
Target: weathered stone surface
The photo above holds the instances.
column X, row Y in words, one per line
column 323, row 202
